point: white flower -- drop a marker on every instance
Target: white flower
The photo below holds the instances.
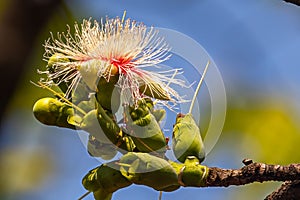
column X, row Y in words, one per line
column 128, row 49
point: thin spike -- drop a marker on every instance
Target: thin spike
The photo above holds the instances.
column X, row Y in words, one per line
column 62, row 97
column 160, row 195
column 123, row 18
column 84, row 195
column 198, row 87
column 173, row 76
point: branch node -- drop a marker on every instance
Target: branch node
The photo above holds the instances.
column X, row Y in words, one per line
column 247, row 161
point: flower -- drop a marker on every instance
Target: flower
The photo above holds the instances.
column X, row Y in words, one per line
column 127, row 49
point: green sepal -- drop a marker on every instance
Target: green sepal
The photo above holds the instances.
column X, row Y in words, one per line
column 145, row 169
column 90, row 181
column 191, row 173
column 186, row 140
column 53, row 112
column 102, row 195
column 101, row 124
column 176, row 166
column 194, row 174
column 74, row 120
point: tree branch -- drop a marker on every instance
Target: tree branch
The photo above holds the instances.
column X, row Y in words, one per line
column 288, row 190
column 296, row 2
column 252, row 172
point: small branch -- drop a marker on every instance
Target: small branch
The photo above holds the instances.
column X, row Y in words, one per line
column 288, row 190
column 252, row 172
column 296, row 2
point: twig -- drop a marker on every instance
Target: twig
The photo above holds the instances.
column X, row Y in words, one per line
column 160, row 195
column 84, row 195
column 252, row 172
column 296, row 2
column 288, row 190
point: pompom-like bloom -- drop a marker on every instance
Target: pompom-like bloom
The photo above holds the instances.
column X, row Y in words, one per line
column 128, row 49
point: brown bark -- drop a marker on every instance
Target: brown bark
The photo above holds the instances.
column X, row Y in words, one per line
column 252, row 172
column 259, row 172
column 296, row 2
column 288, row 190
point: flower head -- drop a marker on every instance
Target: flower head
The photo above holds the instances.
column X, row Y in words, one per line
column 127, row 49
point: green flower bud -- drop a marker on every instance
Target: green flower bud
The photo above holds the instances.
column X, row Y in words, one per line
column 52, row 112
column 144, row 129
column 154, row 90
column 105, row 179
column 102, row 195
column 108, row 125
column 147, row 135
column 107, row 94
column 187, row 139
column 106, row 134
column 90, row 181
column 152, row 171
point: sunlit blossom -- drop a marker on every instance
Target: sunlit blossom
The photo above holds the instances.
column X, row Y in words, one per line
column 128, row 49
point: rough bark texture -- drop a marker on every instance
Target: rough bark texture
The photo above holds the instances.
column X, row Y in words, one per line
column 288, row 190
column 252, row 172
column 296, row 2
column 259, row 172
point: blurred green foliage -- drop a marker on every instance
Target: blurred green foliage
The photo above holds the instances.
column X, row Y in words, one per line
column 27, row 92
column 23, row 169
column 266, row 131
